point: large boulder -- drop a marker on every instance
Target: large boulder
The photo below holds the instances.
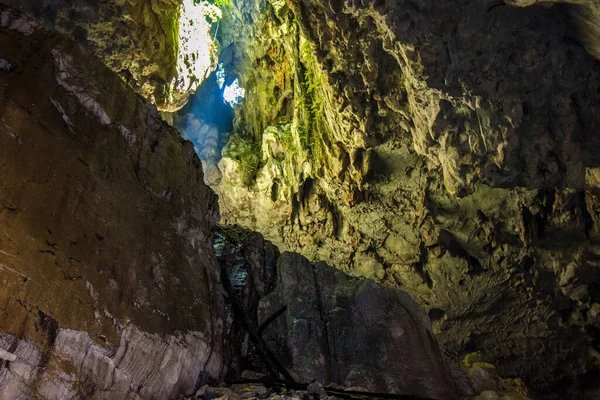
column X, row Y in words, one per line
column 353, row 332
column 313, row 323
column 108, row 284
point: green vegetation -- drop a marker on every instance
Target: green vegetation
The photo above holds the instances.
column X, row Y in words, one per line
column 313, row 127
column 222, row 4
column 247, row 153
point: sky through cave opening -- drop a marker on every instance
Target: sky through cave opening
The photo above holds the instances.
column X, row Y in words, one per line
column 207, row 118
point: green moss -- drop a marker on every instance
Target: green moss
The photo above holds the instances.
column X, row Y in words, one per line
column 247, row 153
column 223, row 3
column 312, row 130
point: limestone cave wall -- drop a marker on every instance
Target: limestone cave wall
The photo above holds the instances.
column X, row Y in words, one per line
column 448, row 148
column 151, row 44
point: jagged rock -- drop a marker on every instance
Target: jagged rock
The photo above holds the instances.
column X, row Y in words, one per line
column 451, row 144
column 109, row 286
column 446, row 147
column 151, row 44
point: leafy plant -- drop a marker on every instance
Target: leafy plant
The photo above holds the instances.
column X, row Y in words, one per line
column 222, row 4
column 311, row 134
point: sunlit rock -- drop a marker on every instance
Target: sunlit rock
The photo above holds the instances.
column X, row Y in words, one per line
column 163, row 49
column 451, row 144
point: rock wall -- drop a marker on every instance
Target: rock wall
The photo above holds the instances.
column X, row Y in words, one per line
column 354, row 332
column 151, row 44
column 448, row 148
column 334, row 335
column 326, row 327
column 583, row 16
column 109, row 286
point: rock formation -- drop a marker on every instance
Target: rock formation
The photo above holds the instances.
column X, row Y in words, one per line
column 110, row 288
column 583, row 15
column 110, row 284
column 152, row 44
column 448, row 148
column 353, row 332
column 335, row 329
column 312, row 323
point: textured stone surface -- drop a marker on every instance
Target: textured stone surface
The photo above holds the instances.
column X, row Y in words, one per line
column 449, row 148
column 353, row 332
column 334, row 329
column 109, row 287
column 137, row 39
column 584, row 18
column 327, row 328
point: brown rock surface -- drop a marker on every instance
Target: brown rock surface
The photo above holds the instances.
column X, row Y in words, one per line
column 108, row 283
column 138, row 39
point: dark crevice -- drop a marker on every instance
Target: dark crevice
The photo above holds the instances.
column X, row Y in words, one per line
column 420, row 265
column 271, row 363
column 235, row 277
column 323, row 319
column 50, row 328
column 475, row 267
column 435, row 314
column 588, row 221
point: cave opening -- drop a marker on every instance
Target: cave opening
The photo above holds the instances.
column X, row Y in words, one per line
column 397, row 198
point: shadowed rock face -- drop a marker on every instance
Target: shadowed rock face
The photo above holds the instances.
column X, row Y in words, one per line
column 584, row 18
column 353, row 332
column 317, row 326
column 329, row 327
column 109, row 287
